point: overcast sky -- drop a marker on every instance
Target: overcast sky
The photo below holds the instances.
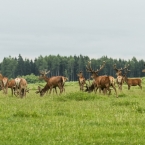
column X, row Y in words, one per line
column 94, row 28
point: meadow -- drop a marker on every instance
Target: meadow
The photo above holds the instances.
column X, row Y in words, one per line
column 73, row 118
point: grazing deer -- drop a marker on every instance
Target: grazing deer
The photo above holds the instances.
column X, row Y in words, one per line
column 132, row 81
column 52, row 82
column 82, row 80
column 54, row 86
column 21, row 87
column 101, row 82
column 120, row 77
column 4, row 83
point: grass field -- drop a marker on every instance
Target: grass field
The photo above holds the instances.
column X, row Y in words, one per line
column 74, row 118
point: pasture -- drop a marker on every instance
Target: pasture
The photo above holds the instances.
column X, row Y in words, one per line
column 74, row 118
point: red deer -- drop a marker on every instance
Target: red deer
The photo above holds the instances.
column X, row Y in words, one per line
column 101, row 82
column 17, row 82
column 52, row 82
column 120, row 78
column 57, row 78
column 82, row 80
column 12, row 86
column 64, row 80
column 132, row 81
column 4, row 83
column 21, row 87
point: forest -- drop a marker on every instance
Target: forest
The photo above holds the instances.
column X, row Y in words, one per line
column 68, row 66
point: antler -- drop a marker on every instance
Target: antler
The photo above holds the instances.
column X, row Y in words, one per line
column 126, row 69
column 44, row 73
column 117, row 70
column 101, row 67
column 89, row 69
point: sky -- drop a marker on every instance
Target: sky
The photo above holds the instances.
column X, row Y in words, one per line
column 96, row 28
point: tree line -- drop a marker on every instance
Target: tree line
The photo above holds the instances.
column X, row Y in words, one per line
column 68, row 66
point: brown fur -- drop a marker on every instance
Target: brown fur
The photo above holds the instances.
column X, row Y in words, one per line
column 12, row 85
column 52, row 82
column 23, row 87
column 133, row 82
column 4, row 83
column 102, row 82
column 120, row 78
column 81, row 80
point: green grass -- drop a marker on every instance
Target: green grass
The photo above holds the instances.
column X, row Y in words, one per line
column 73, row 118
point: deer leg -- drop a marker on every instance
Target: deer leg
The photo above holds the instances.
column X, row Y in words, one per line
column 140, row 86
column 12, row 91
column 50, row 90
column 115, row 90
column 109, row 91
column 55, row 90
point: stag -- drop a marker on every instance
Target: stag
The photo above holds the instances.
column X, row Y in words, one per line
column 101, row 82
column 52, row 82
column 120, row 77
column 4, row 83
column 81, row 80
column 132, row 81
column 54, row 86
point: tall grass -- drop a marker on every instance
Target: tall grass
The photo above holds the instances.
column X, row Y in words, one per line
column 73, row 118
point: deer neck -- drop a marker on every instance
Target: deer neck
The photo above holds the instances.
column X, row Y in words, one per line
column 46, row 87
column 45, row 78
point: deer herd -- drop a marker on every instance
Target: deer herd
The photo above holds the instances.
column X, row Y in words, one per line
column 105, row 83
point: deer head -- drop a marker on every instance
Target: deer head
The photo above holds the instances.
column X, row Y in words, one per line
column 43, row 74
column 80, row 74
column 40, row 91
column 119, row 71
column 126, row 70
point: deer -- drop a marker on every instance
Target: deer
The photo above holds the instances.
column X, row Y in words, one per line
column 4, row 83
column 101, row 82
column 46, row 79
column 12, row 86
column 81, row 80
column 64, row 80
column 52, row 82
column 21, row 87
column 120, row 77
column 132, row 81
